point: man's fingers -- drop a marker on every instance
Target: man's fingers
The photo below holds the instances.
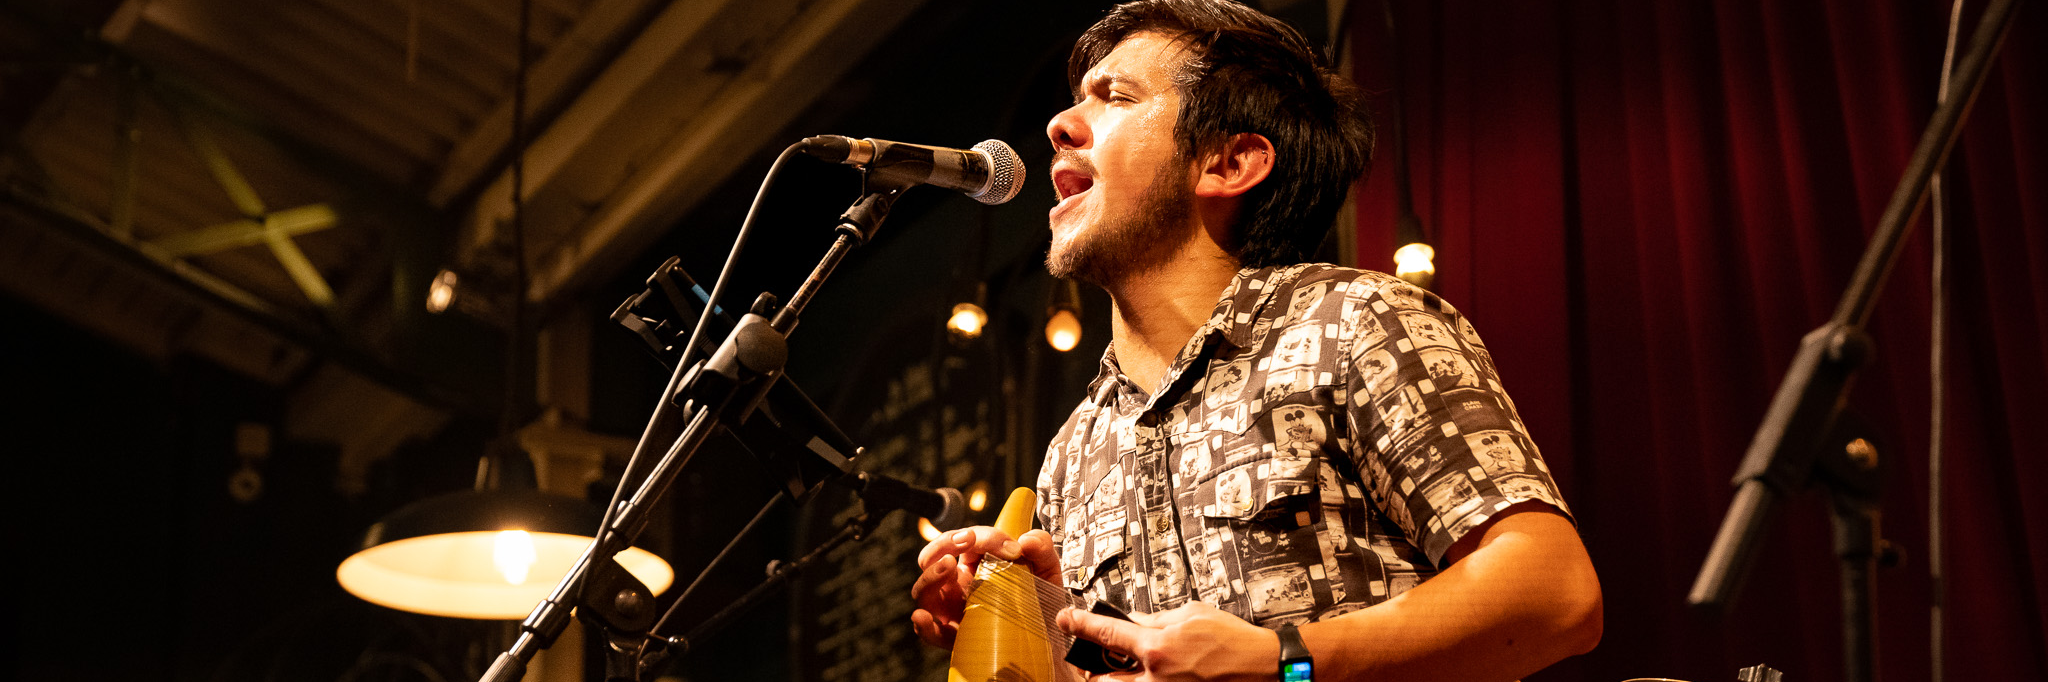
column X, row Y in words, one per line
column 932, row 580
column 979, row 540
column 948, row 543
column 932, row 630
column 1036, row 549
column 969, row 544
column 1116, row 635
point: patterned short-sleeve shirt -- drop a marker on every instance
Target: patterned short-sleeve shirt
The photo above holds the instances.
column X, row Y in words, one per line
column 1315, row 449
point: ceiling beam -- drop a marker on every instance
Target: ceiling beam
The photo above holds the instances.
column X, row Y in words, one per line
column 565, row 65
column 595, row 108
column 808, row 57
column 381, row 123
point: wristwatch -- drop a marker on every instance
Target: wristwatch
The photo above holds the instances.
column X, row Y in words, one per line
column 1295, row 663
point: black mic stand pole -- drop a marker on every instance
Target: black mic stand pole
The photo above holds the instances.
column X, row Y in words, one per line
column 1800, row 424
column 725, row 388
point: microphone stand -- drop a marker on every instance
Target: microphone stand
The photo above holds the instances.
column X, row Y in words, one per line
column 725, row 388
column 1800, row 435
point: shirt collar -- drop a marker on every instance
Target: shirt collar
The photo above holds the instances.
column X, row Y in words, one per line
column 1231, row 321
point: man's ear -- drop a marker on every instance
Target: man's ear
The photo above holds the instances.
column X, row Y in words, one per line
column 1244, row 161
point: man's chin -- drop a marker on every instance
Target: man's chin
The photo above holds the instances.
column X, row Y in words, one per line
column 1057, row 265
column 1067, row 256
column 1074, row 261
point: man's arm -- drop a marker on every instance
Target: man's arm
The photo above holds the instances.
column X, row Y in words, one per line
column 1519, row 595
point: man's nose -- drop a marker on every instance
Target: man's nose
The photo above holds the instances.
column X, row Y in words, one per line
column 1067, row 130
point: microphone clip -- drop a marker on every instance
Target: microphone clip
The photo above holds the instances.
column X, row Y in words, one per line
column 861, row 220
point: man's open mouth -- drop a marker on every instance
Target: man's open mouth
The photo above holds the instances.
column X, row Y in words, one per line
column 1069, row 183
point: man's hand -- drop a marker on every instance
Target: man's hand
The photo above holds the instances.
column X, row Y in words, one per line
column 1193, row 642
column 946, row 572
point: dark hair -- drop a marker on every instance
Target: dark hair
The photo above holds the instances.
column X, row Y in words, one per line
column 1250, row 73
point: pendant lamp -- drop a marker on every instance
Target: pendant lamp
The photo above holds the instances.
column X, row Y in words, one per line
column 496, row 551
column 489, row 553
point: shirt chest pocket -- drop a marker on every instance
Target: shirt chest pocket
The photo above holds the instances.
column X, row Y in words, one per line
column 1281, row 492
column 1092, row 539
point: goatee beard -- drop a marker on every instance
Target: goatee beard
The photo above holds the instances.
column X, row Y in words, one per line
column 1130, row 242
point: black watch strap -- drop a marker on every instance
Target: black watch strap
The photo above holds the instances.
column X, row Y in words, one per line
column 1295, row 663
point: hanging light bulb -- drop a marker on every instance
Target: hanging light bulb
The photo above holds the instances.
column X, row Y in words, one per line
column 969, row 318
column 1415, row 259
column 441, row 293
column 1063, row 318
column 1063, row 331
column 512, row 552
column 967, row 321
column 926, row 530
column 977, row 496
column 1416, row 262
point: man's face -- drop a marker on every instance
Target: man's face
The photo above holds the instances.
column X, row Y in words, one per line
column 1123, row 189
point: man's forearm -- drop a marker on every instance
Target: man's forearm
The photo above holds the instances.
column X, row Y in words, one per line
column 1524, row 597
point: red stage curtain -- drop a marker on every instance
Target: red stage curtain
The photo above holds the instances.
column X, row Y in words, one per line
column 1644, row 205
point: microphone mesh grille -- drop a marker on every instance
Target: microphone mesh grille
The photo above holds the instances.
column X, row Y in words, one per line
column 1005, row 171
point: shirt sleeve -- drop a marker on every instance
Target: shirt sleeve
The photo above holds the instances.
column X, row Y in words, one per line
column 1435, row 438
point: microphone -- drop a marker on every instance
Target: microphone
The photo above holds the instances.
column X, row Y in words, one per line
column 991, row 172
column 945, row 507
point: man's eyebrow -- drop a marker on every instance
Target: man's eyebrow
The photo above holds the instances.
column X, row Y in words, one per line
column 1126, row 80
column 1108, row 78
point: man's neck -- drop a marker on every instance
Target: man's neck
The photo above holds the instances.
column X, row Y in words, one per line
column 1157, row 311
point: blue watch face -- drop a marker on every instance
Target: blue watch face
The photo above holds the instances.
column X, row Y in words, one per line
column 1297, row 672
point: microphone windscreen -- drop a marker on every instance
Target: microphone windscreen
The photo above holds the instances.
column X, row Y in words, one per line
column 954, row 514
column 1005, row 172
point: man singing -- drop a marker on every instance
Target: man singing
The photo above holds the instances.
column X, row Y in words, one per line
column 1279, row 459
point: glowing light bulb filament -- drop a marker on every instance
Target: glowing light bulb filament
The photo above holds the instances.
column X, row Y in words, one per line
column 441, row 292
column 967, row 320
column 1413, row 259
column 513, row 554
column 1063, row 331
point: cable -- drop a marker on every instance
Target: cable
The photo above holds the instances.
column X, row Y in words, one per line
column 738, row 243
column 515, row 345
column 703, row 320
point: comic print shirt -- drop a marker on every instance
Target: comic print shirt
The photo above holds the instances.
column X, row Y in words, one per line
column 1315, row 449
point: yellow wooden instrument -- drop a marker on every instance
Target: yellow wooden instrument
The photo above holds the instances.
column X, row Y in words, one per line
column 1007, row 633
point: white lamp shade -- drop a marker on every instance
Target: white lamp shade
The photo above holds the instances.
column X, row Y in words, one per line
column 455, row 574
column 444, row 571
